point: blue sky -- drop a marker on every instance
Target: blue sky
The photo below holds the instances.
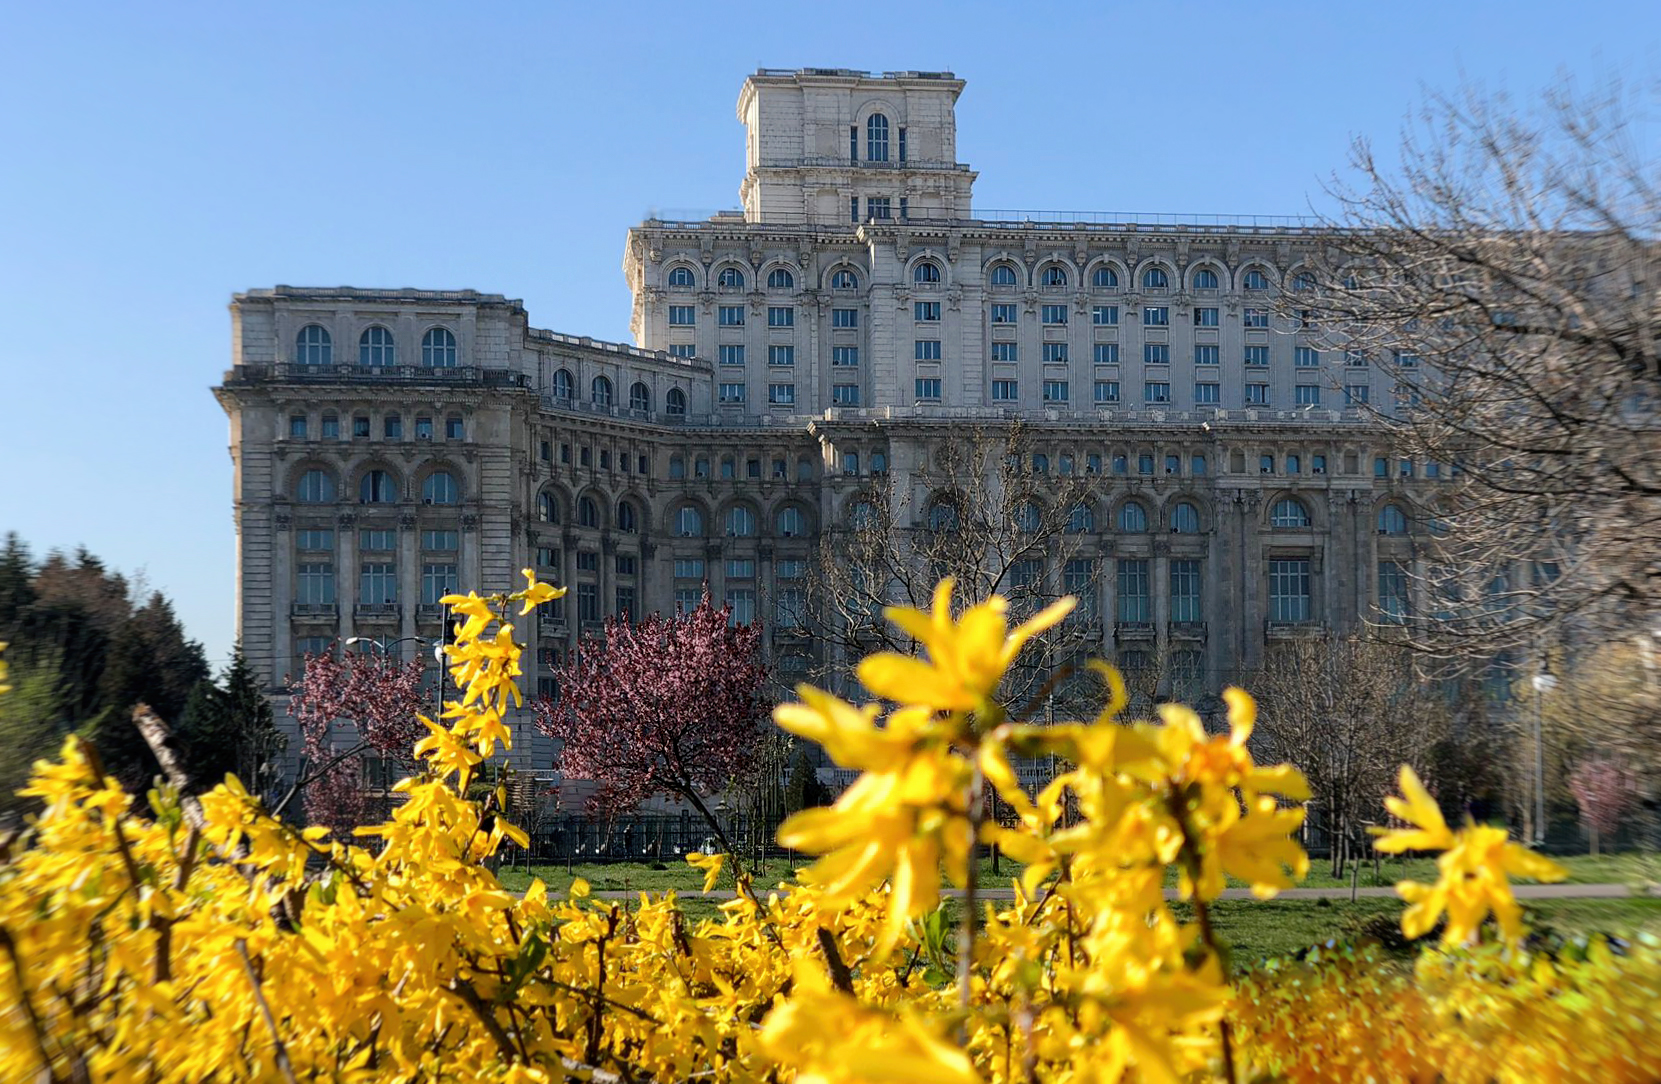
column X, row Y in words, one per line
column 156, row 158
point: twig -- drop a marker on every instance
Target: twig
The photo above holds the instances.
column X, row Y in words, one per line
column 283, row 1066
column 159, row 737
column 966, row 937
column 37, row 1031
column 470, row 997
column 841, row 977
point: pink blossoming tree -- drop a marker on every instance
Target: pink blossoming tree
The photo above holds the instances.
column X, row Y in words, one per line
column 377, row 693
column 672, row 705
column 1604, row 790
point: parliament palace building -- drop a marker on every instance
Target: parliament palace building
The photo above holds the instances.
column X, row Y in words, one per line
column 793, row 358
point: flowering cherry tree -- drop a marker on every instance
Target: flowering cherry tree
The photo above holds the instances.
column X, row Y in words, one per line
column 1604, row 790
column 672, row 705
column 380, row 695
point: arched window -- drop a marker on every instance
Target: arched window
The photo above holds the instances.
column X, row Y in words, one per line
column 377, row 487
column 1185, row 518
column 1205, row 279
column 780, row 279
column 375, row 347
column 316, row 487
column 862, row 516
column 1028, row 518
column 1081, row 520
column 1155, row 278
column 689, row 522
column 438, row 349
column 741, row 522
column 680, row 278
column 943, row 516
column 1255, row 280
column 1133, row 518
column 876, row 138
column 1289, row 512
column 1104, row 278
column 1391, row 520
column 564, row 386
column 588, row 513
column 675, row 402
column 731, row 278
column 1004, row 275
column 1303, row 282
column 600, row 391
column 440, row 488
column 844, row 280
column 547, row 508
column 792, row 524
column 313, row 346
column 640, row 396
column 1053, row 275
column 926, row 272
column 628, row 520
column 1040, row 463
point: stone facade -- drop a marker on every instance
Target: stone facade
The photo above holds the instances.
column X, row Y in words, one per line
column 853, row 315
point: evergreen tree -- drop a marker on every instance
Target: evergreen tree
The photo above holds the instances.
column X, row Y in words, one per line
column 228, row 728
column 32, row 726
column 151, row 662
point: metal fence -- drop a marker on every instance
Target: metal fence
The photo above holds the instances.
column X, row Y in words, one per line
column 575, row 838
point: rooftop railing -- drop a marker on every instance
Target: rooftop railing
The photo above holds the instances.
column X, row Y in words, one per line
column 286, row 372
column 1001, row 218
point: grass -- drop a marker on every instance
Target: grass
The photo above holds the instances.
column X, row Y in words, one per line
column 1621, row 869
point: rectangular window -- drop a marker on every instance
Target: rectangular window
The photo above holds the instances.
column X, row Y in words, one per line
column 732, row 354
column 1257, row 318
column 588, row 561
column 781, row 354
column 1004, row 352
column 317, row 538
column 1053, row 314
column 1078, row 578
column 741, row 569
column 926, row 350
column 1156, row 316
column 781, row 394
column 1144, row 464
column 1156, row 354
column 689, row 568
column 1003, row 314
column 1107, row 353
column 360, row 428
column 742, row 601
column 297, row 427
column 1196, row 466
column 547, row 557
column 1355, row 359
column 588, row 602
column 439, row 541
column 902, row 144
column 927, row 312
column 845, row 394
column 1207, row 355
column 688, row 599
column 1185, row 591
column 331, row 427
column 928, row 387
column 394, row 427
column 1207, row 393
column 1356, row 394
column 845, row 355
column 1257, row 357
column 1257, row 395
column 1005, row 391
column 877, row 207
column 1306, row 357
column 781, row 316
column 377, row 583
column 1392, row 591
column 1055, row 391
column 1055, row 353
column 625, row 600
column 682, row 350
column 788, row 607
column 437, row 580
column 1307, row 395
column 377, row 540
column 1107, row 391
column 1156, row 391
column 1205, row 317
column 1406, row 360
column 1105, row 315
column 853, row 156
column 1133, row 590
column 844, row 318
column 314, row 583
column 732, row 393
column 1289, row 590
column 790, row 568
column 904, row 208
column 682, row 315
column 730, row 315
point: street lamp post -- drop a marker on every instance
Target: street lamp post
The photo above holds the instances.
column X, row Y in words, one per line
column 1543, row 681
column 386, row 648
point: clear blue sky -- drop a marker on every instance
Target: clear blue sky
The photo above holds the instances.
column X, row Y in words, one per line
column 155, row 158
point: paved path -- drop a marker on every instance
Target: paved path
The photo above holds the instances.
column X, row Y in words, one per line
column 1523, row 892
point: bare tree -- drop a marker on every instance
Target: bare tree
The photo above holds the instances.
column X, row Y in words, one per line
column 1505, row 277
column 1348, row 712
column 993, row 511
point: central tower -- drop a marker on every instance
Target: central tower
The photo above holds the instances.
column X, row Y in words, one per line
column 835, row 146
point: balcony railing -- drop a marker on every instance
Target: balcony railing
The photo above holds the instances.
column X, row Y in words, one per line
column 1133, row 630
column 1291, row 630
column 377, row 611
column 327, row 610
column 1188, row 630
column 289, row 373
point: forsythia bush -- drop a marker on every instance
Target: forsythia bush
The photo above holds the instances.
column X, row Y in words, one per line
column 197, row 942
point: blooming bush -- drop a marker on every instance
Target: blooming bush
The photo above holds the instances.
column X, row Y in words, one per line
column 211, row 941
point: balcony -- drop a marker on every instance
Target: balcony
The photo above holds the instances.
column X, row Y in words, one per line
column 1188, row 630
column 1292, row 630
column 1133, row 630
column 377, row 611
column 316, row 611
column 286, row 373
column 430, row 613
